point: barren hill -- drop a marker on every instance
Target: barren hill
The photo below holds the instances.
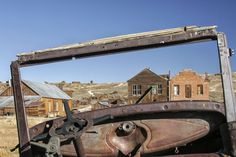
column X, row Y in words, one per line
column 89, row 95
column 86, row 90
column 100, row 91
column 83, row 91
column 216, row 92
column 2, row 86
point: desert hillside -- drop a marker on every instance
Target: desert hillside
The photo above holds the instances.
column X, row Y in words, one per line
column 87, row 90
column 2, row 86
column 83, row 92
column 216, row 92
column 91, row 93
column 87, row 93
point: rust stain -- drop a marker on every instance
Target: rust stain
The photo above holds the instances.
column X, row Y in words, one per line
column 148, row 136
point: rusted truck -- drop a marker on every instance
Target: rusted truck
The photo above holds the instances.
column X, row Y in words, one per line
column 175, row 128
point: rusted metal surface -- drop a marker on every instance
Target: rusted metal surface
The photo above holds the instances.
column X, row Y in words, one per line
column 127, row 137
column 140, row 111
column 212, row 112
column 232, row 134
column 229, row 96
column 199, row 155
column 121, row 44
column 22, row 126
column 147, row 136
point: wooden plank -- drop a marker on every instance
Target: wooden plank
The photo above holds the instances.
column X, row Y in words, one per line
column 119, row 44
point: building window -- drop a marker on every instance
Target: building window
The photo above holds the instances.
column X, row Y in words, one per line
column 188, row 91
column 200, row 89
column 159, row 89
column 176, row 90
column 154, row 89
column 136, row 89
column 55, row 106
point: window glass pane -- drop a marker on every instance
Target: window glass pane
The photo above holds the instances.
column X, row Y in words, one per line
column 159, row 89
column 154, row 89
column 136, row 90
column 139, row 89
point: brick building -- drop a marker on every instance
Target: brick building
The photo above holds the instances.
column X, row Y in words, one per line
column 188, row 85
column 144, row 80
column 40, row 99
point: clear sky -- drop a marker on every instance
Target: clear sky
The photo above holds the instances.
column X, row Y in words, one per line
column 34, row 25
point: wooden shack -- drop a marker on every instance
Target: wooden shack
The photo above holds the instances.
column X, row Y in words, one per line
column 144, row 80
column 40, row 100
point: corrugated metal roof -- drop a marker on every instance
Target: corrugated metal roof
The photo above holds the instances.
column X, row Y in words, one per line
column 47, row 90
column 8, row 101
column 104, row 103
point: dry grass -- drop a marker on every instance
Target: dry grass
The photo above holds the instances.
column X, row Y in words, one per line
column 8, row 131
column 8, row 134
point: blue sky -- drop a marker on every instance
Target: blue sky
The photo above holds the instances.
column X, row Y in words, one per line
column 35, row 25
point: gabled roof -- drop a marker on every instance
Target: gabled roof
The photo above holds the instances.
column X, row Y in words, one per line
column 8, row 101
column 46, row 90
column 146, row 70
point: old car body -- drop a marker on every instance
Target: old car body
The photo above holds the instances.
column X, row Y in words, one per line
column 178, row 128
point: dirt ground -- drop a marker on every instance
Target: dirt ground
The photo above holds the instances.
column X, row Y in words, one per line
column 8, row 134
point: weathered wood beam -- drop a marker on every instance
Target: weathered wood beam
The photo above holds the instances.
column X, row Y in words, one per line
column 119, row 44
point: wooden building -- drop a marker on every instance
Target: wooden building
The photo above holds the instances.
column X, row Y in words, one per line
column 188, row 85
column 108, row 103
column 40, row 100
column 144, row 80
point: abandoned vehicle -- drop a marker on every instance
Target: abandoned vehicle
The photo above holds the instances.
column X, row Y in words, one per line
column 196, row 128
